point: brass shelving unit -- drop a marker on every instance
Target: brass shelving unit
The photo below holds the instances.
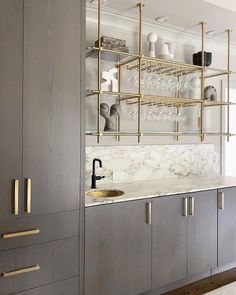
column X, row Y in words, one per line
column 140, row 63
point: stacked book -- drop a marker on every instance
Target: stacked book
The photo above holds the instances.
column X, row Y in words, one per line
column 113, row 44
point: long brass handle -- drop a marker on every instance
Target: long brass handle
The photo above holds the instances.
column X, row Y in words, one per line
column 20, row 271
column 16, row 197
column 29, row 192
column 185, row 202
column 149, row 213
column 21, row 234
column 192, row 206
column 222, row 200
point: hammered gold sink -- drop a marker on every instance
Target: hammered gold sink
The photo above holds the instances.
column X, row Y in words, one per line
column 105, row 193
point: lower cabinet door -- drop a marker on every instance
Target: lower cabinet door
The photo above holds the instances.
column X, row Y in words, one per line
column 227, row 226
column 69, row 287
column 29, row 267
column 118, row 249
column 169, row 240
column 202, row 232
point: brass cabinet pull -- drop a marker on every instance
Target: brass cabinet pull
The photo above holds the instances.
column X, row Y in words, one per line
column 16, row 197
column 192, row 206
column 29, row 191
column 185, row 201
column 222, row 200
column 20, row 271
column 149, row 213
column 21, row 234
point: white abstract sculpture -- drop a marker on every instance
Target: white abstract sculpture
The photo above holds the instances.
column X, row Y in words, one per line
column 171, row 47
column 111, row 83
column 152, row 39
column 195, row 90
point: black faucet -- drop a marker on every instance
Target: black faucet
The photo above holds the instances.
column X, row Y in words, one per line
column 94, row 177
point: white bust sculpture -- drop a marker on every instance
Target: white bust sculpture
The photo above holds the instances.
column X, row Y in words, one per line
column 152, row 39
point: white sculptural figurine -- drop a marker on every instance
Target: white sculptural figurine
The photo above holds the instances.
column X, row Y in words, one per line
column 195, row 90
column 111, row 83
column 152, row 39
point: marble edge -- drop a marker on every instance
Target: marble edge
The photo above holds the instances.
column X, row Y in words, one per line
column 92, row 202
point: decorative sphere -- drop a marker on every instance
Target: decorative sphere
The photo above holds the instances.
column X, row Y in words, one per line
column 152, row 37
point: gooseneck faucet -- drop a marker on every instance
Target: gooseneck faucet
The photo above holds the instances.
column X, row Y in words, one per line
column 94, row 176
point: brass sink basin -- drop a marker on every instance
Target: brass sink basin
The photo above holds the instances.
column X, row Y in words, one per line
column 105, row 193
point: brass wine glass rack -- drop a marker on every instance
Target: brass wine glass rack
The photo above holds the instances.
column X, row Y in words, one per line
column 130, row 61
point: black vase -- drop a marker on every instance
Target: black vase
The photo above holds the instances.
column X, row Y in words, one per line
column 197, row 58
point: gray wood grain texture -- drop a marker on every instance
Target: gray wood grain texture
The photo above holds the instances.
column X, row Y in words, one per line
column 202, row 234
column 52, row 227
column 11, row 52
column 227, row 228
column 51, row 123
column 58, row 261
column 69, row 287
column 169, row 241
column 118, row 249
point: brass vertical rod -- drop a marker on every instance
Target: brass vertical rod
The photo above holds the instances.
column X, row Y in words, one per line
column 141, row 6
column 203, row 24
column 177, row 123
column 99, row 71
column 228, row 81
column 118, row 102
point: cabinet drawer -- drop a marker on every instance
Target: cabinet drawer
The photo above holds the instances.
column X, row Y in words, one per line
column 56, row 261
column 37, row 229
column 69, row 287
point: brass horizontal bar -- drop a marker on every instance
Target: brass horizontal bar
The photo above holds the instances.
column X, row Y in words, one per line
column 218, row 103
column 21, row 234
column 126, row 62
column 20, row 271
column 101, row 49
column 217, row 75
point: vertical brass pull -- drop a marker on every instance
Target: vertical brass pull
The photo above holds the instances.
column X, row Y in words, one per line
column 29, row 191
column 16, row 197
column 192, row 206
column 222, row 200
column 149, row 213
column 185, row 206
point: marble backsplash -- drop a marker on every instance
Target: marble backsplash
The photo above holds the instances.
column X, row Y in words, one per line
column 137, row 163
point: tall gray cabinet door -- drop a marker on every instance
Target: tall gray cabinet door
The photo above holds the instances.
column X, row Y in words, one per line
column 118, row 249
column 169, row 240
column 11, row 42
column 202, row 232
column 51, row 120
column 227, row 226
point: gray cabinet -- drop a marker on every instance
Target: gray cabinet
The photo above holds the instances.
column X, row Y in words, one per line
column 51, row 104
column 117, row 249
column 226, row 226
column 11, row 53
column 183, row 246
column 169, row 240
column 30, row 267
column 69, row 287
column 202, row 232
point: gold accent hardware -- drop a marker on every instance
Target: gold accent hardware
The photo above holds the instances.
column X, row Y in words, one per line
column 16, row 197
column 185, row 206
column 104, row 193
column 221, row 200
column 29, row 192
column 20, row 271
column 192, row 206
column 21, row 234
column 149, row 213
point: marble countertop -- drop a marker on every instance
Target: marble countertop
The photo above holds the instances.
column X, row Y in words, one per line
column 160, row 188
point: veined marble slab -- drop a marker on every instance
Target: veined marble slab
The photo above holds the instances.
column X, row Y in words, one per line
column 160, row 188
column 137, row 163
